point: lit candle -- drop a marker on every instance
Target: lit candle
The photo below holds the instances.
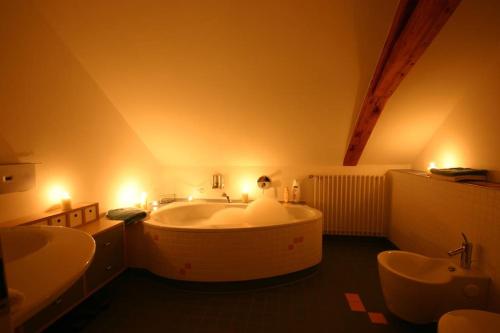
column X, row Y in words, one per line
column 432, row 165
column 244, row 193
column 65, row 201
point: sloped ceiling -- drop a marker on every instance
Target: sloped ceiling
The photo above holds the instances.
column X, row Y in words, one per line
column 451, row 67
column 230, row 82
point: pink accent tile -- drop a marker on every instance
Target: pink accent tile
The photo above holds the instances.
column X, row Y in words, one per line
column 182, row 271
column 290, row 247
column 187, row 265
column 355, row 302
column 352, row 297
column 377, row 318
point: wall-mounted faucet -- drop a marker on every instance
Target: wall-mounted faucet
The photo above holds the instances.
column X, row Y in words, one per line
column 465, row 252
column 227, row 197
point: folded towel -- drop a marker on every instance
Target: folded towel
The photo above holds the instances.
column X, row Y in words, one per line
column 128, row 215
column 452, row 172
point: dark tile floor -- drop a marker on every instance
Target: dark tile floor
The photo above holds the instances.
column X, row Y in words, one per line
column 311, row 301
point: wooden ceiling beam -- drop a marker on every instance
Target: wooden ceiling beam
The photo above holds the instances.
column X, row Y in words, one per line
column 413, row 28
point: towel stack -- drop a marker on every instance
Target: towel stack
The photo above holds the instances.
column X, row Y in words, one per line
column 459, row 174
column 128, row 215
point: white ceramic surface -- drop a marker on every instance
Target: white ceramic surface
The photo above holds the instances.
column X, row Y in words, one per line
column 469, row 321
column 41, row 262
column 420, row 289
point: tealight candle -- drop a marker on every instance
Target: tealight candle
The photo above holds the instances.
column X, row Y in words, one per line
column 432, row 165
column 66, row 202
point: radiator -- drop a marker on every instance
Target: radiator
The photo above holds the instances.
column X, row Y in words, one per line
column 351, row 204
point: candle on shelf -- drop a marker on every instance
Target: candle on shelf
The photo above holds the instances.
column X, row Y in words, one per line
column 65, row 201
column 432, row 165
column 244, row 193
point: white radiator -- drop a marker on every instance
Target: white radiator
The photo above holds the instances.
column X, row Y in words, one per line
column 351, row 204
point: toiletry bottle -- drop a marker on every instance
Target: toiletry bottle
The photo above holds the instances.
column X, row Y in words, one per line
column 286, row 194
column 295, row 191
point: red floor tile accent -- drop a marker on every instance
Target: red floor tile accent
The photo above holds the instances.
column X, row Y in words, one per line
column 355, row 302
column 290, row 247
column 377, row 318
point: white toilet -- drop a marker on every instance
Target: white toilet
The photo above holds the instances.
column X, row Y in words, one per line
column 469, row 321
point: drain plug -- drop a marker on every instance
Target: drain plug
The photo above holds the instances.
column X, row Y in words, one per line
column 451, row 269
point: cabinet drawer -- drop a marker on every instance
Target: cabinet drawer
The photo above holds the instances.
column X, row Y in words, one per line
column 59, row 220
column 45, row 317
column 90, row 213
column 75, row 218
column 41, row 222
column 108, row 258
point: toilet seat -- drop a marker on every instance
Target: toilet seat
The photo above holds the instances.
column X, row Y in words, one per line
column 469, row 321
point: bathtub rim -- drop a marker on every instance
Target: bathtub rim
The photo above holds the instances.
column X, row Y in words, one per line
column 151, row 222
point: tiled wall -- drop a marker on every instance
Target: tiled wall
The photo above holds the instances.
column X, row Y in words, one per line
column 428, row 215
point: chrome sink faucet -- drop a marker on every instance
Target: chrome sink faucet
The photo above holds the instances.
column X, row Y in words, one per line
column 224, row 194
column 465, row 253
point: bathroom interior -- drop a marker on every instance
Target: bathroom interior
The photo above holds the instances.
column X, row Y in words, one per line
column 249, row 166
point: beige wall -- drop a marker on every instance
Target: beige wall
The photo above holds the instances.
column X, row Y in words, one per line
column 53, row 113
column 197, row 181
column 428, row 215
column 470, row 136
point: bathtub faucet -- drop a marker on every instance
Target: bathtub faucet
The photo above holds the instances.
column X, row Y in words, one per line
column 465, row 253
column 224, row 194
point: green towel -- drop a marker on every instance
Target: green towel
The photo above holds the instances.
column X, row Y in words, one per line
column 128, row 215
column 453, row 172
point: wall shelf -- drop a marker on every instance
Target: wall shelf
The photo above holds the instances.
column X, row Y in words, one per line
column 478, row 183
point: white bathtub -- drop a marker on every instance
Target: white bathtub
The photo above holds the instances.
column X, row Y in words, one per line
column 180, row 241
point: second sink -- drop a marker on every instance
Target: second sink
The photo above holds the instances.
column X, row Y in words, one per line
column 420, row 289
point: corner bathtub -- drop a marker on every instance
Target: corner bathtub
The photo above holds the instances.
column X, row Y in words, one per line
column 179, row 242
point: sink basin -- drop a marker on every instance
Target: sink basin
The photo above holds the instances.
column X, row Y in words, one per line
column 22, row 242
column 42, row 262
column 469, row 321
column 420, row 289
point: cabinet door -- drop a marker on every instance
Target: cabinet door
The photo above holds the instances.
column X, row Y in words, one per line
column 108, row 258
column 53, row 311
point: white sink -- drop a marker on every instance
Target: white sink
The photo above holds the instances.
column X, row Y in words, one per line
column 420, row 289
column 41, row 262
column 469, row 321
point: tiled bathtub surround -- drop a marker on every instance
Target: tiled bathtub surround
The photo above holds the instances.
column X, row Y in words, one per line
column 428, row 215
column 226, row 255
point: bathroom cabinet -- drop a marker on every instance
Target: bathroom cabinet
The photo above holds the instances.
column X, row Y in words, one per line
column 108, row 259
column 66, row 301
column 108, row 262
